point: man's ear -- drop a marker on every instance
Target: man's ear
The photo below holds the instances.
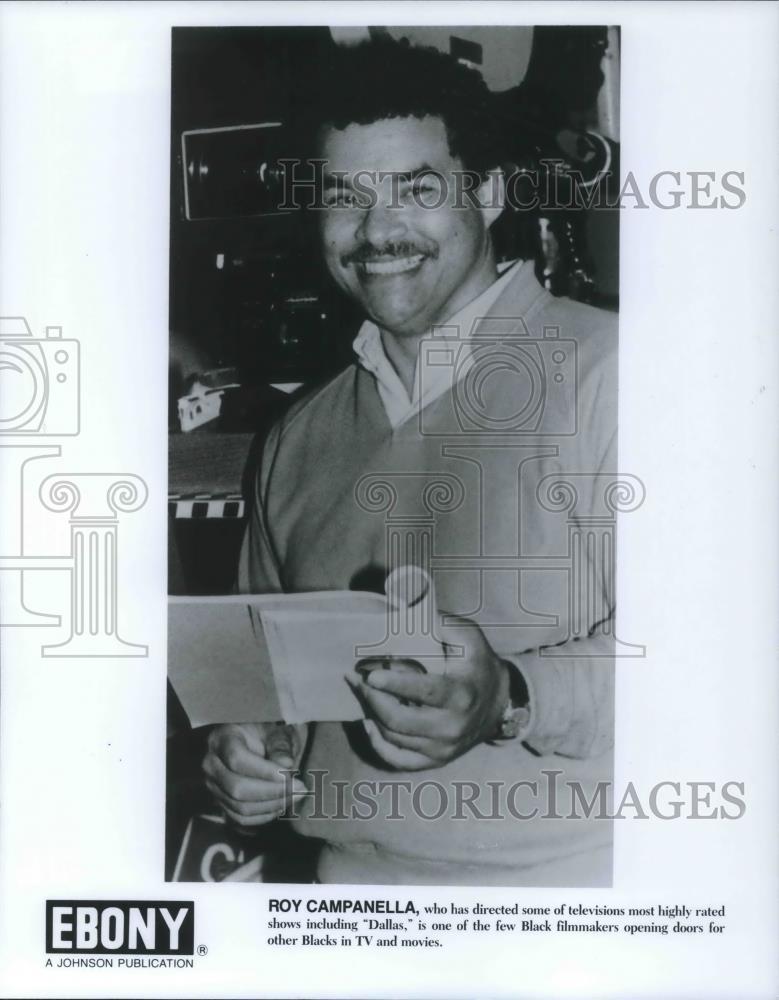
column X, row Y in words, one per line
column 491, row 196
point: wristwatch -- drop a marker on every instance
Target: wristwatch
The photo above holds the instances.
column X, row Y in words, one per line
column 516, row 714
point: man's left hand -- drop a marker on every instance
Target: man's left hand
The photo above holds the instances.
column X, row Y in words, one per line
column 451, row 712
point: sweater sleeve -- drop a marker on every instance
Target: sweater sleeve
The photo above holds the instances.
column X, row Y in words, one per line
column 571, row 685
column 571, row 696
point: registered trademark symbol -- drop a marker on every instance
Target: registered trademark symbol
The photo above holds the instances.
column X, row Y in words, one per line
column 202, row 950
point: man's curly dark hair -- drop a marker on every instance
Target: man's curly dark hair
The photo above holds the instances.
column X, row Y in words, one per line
column 383, row 78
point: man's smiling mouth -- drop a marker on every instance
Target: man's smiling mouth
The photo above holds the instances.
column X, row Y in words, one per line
column 395, row 266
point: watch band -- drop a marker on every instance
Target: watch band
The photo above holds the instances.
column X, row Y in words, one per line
column 516, row 714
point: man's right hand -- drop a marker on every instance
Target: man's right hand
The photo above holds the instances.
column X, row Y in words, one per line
column 248, row 769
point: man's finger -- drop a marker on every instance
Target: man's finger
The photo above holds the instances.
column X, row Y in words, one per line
column 281, row 745
column 236, row 788
column 421, row 744
column 461, row 636
column 236, row 756
column 260, row 806
column 425, row 689
column 251, row 736
column 265, row 771
column 409, row 719
column 257, row 819
column 397, row 757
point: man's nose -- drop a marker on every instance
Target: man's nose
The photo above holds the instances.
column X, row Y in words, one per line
column 381, row 224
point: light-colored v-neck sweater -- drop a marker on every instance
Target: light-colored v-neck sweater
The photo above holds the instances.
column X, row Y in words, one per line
column 507, row 474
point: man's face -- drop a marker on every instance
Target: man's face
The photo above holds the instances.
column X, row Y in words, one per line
column 408, row 265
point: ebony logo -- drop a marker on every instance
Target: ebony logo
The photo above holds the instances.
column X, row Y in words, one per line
column 120, row 927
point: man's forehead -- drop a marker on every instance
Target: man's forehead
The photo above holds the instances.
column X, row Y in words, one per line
column 390, row 144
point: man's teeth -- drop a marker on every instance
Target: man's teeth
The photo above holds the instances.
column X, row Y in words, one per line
column 393, row 266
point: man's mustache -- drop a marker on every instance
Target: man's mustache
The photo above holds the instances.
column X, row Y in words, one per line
column 388, row 251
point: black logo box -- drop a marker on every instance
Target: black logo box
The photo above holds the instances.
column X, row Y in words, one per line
column 186, row 931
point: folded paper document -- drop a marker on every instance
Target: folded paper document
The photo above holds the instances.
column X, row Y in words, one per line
column 261, row 658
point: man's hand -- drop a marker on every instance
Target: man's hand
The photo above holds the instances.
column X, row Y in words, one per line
column 451, row 712
column 248, row 770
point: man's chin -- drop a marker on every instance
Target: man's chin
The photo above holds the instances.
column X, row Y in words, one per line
column 400, row 322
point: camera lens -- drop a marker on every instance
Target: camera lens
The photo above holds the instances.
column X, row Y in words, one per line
column 22, row 382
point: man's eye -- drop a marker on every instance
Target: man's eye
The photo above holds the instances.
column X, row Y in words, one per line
column 421, row 189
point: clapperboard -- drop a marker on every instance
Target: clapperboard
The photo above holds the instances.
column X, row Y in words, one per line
column 205, row 474
column 213, row 851
column 206, row 505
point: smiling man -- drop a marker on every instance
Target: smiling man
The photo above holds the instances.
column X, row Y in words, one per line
column 398, row 244
column 474, row 395
column 403, row 235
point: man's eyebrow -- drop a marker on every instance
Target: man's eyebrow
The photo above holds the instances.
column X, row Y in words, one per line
column 409, row 176
column 339, row 180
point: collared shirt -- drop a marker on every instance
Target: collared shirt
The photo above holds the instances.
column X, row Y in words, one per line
column 430, row 380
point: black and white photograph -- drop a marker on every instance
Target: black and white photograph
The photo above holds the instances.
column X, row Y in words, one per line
column 394, row 278
column 388, row 574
